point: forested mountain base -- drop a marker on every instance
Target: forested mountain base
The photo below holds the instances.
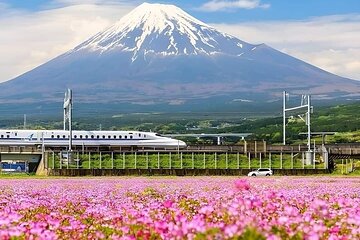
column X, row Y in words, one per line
column 343, row 119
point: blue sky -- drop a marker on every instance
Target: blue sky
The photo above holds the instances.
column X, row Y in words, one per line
column 325, row 33
column 277, row 10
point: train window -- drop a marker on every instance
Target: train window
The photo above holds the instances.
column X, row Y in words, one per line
column 64, row 136
column 2, row 136
column 114, row 136
column 109, row 136
column 92, row 136
column 131, row 137
column 144, row 135
column 157, row 135
column 103, row 136
column 139, row 135
column 80, row 136
column 15, row 134
column 52, row 136
column 86, row 136
column 120, row 137
column 125, row 137
column 58, row 136
column 97, row 136
column 8, row 136
column 75, row 136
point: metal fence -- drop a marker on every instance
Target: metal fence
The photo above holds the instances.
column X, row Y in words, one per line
column 181, row 160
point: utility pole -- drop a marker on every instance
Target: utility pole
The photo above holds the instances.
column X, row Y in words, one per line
column 65, row 113
column 24, row 121
column 305, row 104
column 68, row 114
column 308, row 122
column 284, row 117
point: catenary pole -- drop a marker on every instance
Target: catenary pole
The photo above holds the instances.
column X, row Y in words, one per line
column 284, row 117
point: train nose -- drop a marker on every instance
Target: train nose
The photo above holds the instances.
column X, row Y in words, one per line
column 180, row 144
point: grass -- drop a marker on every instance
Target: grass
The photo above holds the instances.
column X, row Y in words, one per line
column 350, row 167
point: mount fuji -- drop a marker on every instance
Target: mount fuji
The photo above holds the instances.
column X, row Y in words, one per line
column 159, row 54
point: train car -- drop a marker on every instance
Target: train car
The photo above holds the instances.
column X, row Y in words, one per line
column 87, row 138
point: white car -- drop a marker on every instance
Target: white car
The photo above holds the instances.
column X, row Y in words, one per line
column 261, row 172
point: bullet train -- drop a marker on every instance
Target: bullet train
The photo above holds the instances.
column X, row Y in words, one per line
column 87, row 138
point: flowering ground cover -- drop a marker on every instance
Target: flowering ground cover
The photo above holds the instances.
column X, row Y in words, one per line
column 180, row 208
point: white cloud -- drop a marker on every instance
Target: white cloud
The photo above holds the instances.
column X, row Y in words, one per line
column 225, row 5
column 331, row 43
column 28, row 39
column 62, row 3
column 74, row 2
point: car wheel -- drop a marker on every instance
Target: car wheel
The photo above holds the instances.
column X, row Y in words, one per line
column 254, row 175
column 268, row 174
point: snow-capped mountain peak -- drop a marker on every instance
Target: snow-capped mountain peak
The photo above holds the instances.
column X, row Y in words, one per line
column 163, row 29
column 146, row 62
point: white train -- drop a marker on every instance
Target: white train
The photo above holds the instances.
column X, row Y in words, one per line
column 87, row 138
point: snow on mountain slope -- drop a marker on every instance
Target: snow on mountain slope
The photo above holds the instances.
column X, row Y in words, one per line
column 165, row 30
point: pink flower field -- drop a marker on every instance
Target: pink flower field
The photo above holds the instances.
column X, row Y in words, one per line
column 180, row 208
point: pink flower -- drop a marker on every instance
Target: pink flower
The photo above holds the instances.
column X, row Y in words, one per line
column 334, row 230
column 282, row 220
column 242, row 184
column 206, row 210
column 180, row 208
column 168, row 203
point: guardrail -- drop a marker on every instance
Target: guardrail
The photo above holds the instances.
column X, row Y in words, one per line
column 19, row 149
